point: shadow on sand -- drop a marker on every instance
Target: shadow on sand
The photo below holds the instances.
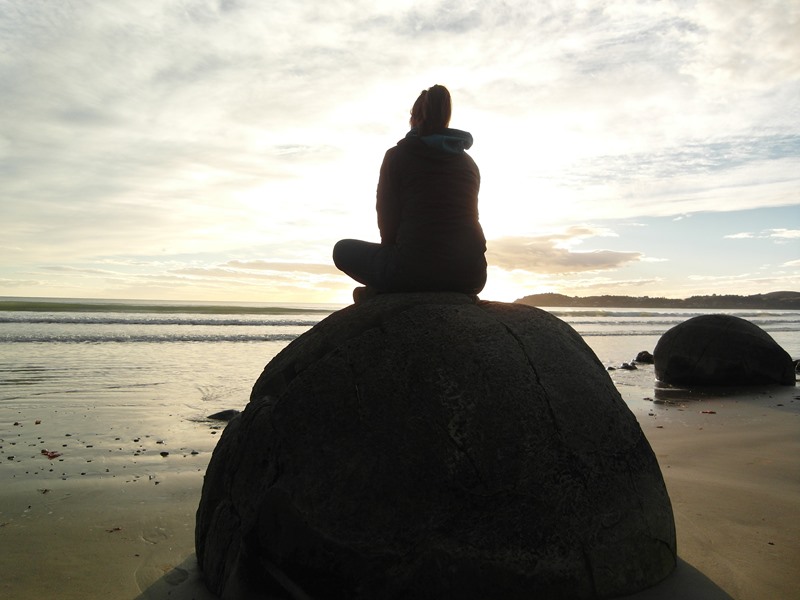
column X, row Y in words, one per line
column 184, row 582
column 686, row 583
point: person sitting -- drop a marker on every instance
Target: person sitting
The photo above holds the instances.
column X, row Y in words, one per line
column 427, row 205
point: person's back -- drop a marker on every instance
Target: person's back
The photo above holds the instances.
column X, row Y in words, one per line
column 427, row 205
column 438, row 235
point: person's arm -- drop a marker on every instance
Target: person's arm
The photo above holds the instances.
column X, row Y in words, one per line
column 388, row 204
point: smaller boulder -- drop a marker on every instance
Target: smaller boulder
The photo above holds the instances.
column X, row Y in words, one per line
column 644, row 357
column 224, row 415
column 721, row 350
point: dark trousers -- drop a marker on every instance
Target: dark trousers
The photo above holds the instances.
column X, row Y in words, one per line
column 366, row 262
column 381, row 267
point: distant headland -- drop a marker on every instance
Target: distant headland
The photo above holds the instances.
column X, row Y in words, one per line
column 772, row 301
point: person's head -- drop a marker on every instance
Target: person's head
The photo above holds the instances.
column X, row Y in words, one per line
column 417, row 110
column 431, row 111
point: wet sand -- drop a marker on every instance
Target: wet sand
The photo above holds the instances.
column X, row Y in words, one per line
column 732, row 469
column 113, row 518
column 94, row 510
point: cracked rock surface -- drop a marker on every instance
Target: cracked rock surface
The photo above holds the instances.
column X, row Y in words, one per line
column 430, row 446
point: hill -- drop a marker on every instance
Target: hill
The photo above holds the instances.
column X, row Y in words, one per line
column 773, row 300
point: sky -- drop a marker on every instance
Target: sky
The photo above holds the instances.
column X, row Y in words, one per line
column 217, row 149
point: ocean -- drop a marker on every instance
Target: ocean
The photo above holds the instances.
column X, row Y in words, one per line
column 207, row 355
column 119, row 373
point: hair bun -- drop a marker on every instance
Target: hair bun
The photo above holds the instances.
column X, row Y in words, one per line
column 436, row 108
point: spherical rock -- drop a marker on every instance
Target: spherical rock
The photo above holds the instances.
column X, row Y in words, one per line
column 721, row 350
column 430, row 446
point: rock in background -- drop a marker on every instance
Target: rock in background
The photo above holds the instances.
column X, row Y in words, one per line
column 427, row 446
column 721, row 350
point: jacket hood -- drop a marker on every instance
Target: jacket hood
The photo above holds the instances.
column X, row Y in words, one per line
column 448, row 141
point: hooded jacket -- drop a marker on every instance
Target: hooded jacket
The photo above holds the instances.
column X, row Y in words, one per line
column 427, row 204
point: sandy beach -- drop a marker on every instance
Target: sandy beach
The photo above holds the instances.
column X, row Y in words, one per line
column 733, row 474
column 113, row 516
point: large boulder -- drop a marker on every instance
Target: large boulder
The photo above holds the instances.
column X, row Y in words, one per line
column 721, row 350
column 430, row 446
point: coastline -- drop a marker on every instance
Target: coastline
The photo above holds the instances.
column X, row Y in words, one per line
column 784, row 300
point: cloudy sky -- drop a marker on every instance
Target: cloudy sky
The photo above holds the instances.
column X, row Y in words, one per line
column 217, row 149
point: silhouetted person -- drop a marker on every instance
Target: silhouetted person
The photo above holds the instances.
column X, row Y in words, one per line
column 427, row 205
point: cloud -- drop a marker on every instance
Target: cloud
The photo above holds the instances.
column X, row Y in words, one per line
column 298, row 276
column 612, row 285
column 271, row 266
column 788, row 234
column 186, row 281
column 733, row 284
column 774, row 234
column 689, row 158
column 197, row 132
column 78, row 271
column 551, row 253
column 19, row 283
column 594, row 285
